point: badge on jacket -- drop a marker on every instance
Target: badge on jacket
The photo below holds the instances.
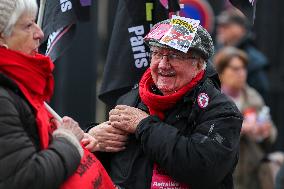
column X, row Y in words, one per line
column 203, row 100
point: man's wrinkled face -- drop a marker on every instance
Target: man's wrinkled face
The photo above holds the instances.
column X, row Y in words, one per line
column 172, row 69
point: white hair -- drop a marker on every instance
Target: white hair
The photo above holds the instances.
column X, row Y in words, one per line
column 204, row 65
column 22, row 6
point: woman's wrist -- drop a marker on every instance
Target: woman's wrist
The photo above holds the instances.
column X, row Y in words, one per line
column 64, row 133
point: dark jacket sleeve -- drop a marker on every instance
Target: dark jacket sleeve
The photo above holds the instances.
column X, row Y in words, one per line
column 21, row 165
column 201, row 159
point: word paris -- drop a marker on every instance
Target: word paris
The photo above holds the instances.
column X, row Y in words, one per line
column 65, row 5
column 138, row 47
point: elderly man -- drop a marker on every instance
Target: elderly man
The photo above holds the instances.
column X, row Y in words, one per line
column 182, row 131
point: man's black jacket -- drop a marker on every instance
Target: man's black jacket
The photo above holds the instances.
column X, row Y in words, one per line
column 194, row 145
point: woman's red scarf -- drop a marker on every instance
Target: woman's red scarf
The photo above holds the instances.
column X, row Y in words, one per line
column 157, row 104
column 33, row 75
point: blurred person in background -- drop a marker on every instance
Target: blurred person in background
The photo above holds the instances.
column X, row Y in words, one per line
column 35, row 152
column 258, row 132
column 182, row 131
column 233, row 29
column 279, row 183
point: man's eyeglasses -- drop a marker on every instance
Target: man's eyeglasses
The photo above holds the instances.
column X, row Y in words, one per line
column 157, row 55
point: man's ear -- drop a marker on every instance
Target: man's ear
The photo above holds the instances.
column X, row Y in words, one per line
column 200, row 63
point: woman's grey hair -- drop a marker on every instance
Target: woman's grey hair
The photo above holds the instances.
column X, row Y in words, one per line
column 22, row 6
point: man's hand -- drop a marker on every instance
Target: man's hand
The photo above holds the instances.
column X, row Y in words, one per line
column 126, row 118
column 105, row 138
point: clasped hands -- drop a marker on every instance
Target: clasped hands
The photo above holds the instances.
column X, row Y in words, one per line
column 112, row 135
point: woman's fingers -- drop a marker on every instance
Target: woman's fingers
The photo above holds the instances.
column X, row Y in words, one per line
column 112, row 143
column 90, row 143
column 114, row 149
column 111, row 146
column 91, row 146
column 55, row 122
column 111, row 136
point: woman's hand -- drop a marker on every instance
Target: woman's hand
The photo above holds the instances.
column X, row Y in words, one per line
column 90, row 143
column 70, row 130
column 106, row 138
column 70, row 125
column 126, row 118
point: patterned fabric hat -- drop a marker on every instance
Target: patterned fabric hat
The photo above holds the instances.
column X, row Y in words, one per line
column 202, row 41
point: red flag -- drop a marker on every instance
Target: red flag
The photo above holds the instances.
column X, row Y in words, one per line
column 89, row 175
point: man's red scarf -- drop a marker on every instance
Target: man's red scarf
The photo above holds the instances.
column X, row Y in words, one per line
column 33, row 75
column 157, row 104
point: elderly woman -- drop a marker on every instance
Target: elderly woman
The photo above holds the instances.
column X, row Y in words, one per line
column 34, row 152
column 182, row 131
column 258, row 132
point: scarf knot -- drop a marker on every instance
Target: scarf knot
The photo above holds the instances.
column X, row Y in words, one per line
column 157, row 104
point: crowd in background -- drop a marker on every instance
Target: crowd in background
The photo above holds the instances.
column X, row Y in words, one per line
column 242, row 69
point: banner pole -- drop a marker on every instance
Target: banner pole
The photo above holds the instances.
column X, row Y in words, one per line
column 52, row 112
column 41, row 13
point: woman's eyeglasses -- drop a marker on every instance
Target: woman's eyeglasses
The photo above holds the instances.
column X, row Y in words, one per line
column 236, row 68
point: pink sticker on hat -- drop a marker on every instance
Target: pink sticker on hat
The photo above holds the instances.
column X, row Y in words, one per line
column 181, row 34
column 158, row 32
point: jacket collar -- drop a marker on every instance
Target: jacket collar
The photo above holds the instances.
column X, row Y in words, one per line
column 5, row 81
column 210, row 74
